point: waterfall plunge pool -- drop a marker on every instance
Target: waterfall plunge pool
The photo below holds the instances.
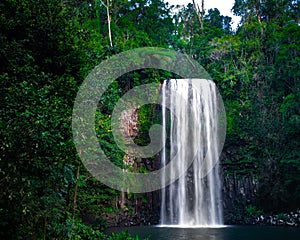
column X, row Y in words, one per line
column 212, row 233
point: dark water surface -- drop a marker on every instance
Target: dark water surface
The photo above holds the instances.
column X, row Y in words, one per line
column 224, row 233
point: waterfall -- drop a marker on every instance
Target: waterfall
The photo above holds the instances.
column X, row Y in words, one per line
column 191, row 123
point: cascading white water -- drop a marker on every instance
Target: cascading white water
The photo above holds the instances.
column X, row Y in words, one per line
column 195, row 198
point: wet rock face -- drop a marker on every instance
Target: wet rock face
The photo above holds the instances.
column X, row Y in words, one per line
column 238, row 193
column 239, row 186
column 140, row 209
column 283, row 219
column 291, row 219
column 134, row 209
column 129, row 124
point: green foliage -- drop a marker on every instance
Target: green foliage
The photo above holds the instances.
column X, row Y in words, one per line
column 252, row 211
column 79, row 230
column 284, row 217
column 256, row 71
column 83, row 231
column 39, row 77
column 122, row 236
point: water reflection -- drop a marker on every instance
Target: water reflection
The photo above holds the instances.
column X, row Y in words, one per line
column 191, row 233
column 225, row 233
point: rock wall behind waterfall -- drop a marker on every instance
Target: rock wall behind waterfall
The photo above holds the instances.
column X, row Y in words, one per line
column 239, row 187
column 239, row 192
column 134, row 209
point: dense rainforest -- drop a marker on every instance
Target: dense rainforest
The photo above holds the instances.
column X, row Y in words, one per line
column 47, row 48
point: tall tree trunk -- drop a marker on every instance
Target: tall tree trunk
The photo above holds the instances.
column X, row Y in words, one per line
column 257, row 6
column 108, row 22
column 45, row 228
column 107, row 5
column 75, row 193
column 200, row 12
